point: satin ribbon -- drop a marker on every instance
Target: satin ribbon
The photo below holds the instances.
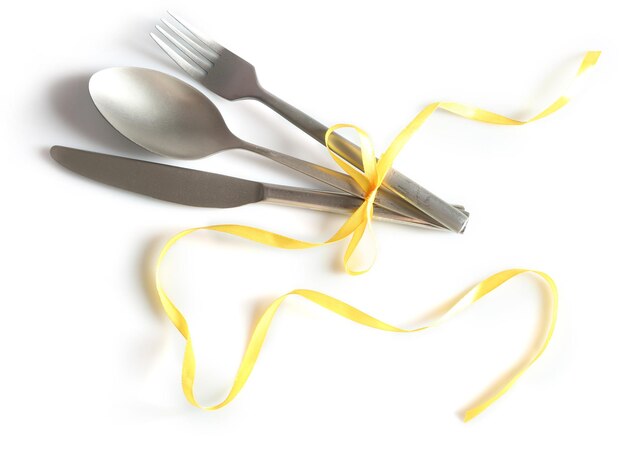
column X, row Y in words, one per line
column 370, row 180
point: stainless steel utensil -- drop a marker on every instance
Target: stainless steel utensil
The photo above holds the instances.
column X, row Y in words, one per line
column 233, row 78
column 169, row 117
column 204, row 189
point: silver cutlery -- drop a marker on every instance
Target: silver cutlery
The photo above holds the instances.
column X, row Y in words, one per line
column 204, row 189
column 171, row 118
column 233, row 78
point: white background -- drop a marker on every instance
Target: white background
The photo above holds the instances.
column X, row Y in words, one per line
column 89, row 360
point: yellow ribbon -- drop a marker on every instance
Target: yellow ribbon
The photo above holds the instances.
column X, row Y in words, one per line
column 370, row 179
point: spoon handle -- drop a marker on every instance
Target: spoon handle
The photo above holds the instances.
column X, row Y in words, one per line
column 398, row 184
column 338, row 203
column 337, row 180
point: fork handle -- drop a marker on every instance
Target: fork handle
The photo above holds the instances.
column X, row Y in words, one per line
column 396, row 182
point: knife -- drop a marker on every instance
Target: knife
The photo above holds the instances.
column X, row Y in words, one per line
column 205, row 189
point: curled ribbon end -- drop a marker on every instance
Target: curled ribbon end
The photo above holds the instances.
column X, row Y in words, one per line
column 590, row 60
column 594, row 55
column 470, row 415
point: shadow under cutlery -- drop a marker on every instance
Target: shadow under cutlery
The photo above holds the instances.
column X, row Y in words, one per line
column 70, row 99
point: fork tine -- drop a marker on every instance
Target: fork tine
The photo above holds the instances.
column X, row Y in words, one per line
column 206, row 53
column 188, row 66
column 196, row 34
column 198, row 59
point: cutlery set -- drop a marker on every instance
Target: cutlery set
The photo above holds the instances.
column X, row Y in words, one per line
column 167, row 116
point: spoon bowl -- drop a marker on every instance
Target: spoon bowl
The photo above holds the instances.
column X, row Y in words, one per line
column 160, row 113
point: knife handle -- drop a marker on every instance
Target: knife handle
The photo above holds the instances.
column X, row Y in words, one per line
column 338, row 203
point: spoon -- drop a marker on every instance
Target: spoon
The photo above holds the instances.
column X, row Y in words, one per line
column 171, row 118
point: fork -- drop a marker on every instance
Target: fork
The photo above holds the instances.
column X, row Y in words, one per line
column 233, row 78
